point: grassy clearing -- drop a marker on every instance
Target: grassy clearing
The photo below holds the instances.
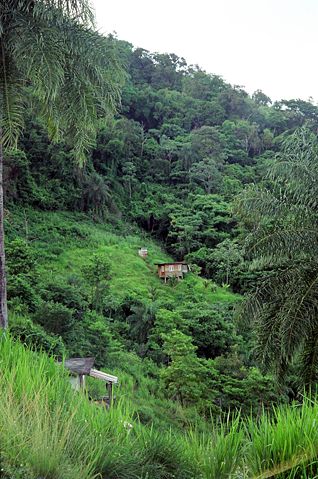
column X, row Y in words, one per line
column 66, row 241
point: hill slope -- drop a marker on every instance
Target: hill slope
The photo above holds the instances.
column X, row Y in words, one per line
column 51, row 305
column 65, row 242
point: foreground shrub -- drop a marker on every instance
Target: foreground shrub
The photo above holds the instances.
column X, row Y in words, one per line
column 34, row 336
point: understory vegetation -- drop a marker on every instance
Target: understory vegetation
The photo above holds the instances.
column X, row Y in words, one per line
column 218, row 371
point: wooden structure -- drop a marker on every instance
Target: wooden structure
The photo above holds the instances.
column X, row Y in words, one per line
column 143, row 252
column 81, row 367
column 177, row 269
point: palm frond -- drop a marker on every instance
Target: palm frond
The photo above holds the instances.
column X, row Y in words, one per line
column 283, row 239
column 308, row 370
column 77, row 10
column 11, row 101
column 71, row 72
column 39, row 54
column 91, row 87
column 277, row 244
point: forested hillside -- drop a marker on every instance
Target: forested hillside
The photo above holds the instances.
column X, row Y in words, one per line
column 171, row 171
column 183, row 146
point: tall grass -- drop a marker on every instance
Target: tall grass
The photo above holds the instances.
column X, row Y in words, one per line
column 44, row 426
column 48, row 431
column 218, row 454
column 285, row 443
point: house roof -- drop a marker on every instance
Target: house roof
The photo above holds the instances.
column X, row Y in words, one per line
column 170, row 262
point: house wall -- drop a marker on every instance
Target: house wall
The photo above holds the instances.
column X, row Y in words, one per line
column 172, row 270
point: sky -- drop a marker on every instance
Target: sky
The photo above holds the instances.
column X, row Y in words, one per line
column 270, row 45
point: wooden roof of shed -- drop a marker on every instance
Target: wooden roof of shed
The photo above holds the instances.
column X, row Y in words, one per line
column 85, row 366
column 79, row 365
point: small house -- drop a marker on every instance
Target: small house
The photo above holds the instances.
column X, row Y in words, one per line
column 176, row 269
column 143, row 252
column 82, row 367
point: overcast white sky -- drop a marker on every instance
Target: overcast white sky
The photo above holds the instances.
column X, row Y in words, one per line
column 270, row 45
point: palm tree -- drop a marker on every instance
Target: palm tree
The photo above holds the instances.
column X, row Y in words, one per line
column 141, row 321
column 282, row 220
column 55, row 65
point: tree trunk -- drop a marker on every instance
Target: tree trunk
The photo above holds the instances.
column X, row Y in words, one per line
column 3, row 283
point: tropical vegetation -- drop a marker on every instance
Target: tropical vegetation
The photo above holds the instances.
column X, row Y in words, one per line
column 108, row 148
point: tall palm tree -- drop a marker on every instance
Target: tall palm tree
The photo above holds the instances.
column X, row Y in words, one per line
column 54, row 64
column 282, row 220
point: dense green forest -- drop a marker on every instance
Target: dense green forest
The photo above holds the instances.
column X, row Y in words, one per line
column 167, row 169
column 193, row 169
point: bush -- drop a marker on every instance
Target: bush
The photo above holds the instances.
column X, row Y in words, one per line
column 35, row 336
column 73, row 296
column 20, row 287
column 21, row 258
column 22, row 275
column 97, row 274
column 54, row 317
column 92, row 337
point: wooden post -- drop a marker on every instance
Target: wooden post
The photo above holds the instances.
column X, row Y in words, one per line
column 81, row 381
column 109, row 388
